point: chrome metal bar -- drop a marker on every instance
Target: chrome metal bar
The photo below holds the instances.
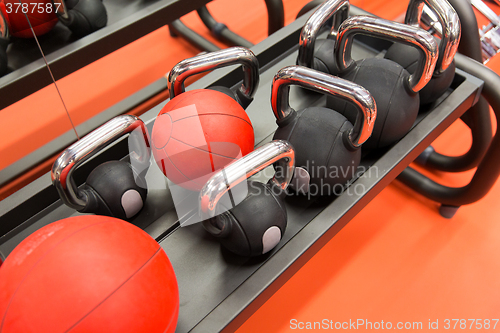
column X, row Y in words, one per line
column 328, row 84
column 277, row 151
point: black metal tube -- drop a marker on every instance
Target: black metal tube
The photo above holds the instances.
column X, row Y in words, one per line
column 275, row 16
column 178, row 28
column 488, row 169
column 476, row 118
column 310, row 5
column 220, row 30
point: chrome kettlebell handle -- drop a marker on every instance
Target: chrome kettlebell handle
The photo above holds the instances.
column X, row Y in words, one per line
column 450, row 27
column 88, row 146
column 277, row 151
column 213, row 60
column 393, row 31
column 327, row 84
column 338, row 9
column 430, row 22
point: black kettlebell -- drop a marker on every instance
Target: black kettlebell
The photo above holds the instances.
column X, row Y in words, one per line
column 82, row 17
column 4, row 42
column 407, row 56
column 202, row 63
column 395, row 91
column 318, row 53
column 326, row 144
column 249, row 217
column 114, row 188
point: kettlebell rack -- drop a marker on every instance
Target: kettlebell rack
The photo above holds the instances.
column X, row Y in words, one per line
column 218, row 288
column 127, row 21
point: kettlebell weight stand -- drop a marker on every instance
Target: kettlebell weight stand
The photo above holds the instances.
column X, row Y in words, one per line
column 489, row 167
column 477, row 118
column 233, row 287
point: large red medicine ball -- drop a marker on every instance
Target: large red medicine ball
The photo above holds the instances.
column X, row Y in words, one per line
column 88, row 274
column 198, row 133
column 41, row 15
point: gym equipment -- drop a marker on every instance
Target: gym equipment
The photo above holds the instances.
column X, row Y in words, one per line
column 209, row 126
column 228, row 282
column 276, row 21
column 490, row 36
column 309, row 6
column 319, row 54
column 42, row 19
column 82, row 17
column 220, row 30
column 488, row 170
column 394, row 89
column 114, row 188
column 178, row 28
column 450, row 37
column 486, row 11
column 88, row 274
column 478, row 118
column 249, row 220
column 327, row 145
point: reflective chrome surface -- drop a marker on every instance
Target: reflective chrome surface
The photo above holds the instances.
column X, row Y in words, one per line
column 277, row 151
column 87, row 147
column 210, row 61
column 486, row 11
column 430, row 22
column 450, row 27
column 393, row 31
column 490, row 42
column 328, row 84
column 490, row 34
column 338, row 9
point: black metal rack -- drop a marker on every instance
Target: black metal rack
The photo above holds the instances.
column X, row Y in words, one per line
column 218, row 288
column 127, row 21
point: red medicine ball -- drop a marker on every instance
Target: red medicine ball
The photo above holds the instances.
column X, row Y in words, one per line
column 88, row 274
column 198, row 133
column 41, row 15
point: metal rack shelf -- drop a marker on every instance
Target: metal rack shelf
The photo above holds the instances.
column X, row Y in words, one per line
column 127, row 21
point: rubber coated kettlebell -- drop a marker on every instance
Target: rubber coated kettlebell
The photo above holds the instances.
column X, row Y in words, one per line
column 82, row 17
column 210, row 125
column 395, row 91
column 450, row 38
column 114, row 188
column 318, row 53
column 249, row 217
column 326, row 144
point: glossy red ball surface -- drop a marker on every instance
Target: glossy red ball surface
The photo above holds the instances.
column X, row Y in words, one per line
column 88, row 274
column 198, row 133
